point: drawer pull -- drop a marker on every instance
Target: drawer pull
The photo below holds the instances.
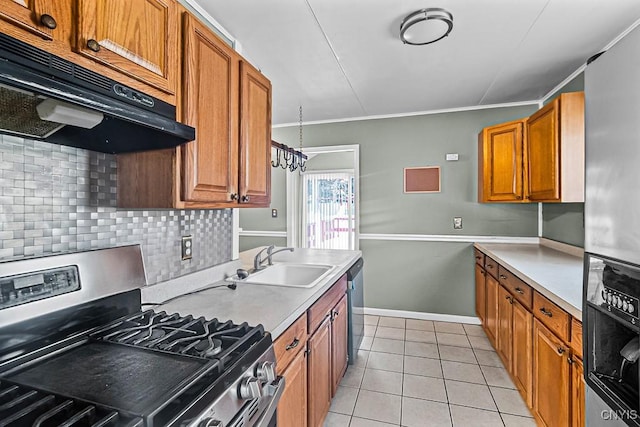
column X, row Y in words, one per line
column 520, row 291
column 478, row 257
column 490, row 266
column 502, row 276
column 560, row 351
column 546, row 313
column 293, row 344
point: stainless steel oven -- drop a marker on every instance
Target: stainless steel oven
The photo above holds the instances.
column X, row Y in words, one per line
column 77, row 350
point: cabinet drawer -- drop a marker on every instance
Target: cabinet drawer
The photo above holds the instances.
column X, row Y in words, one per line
column 479, row 256
column 322, row 308
column 491, row 267
column 552, row 316
column 520, row 290
column 576, row 337
column 290, row 343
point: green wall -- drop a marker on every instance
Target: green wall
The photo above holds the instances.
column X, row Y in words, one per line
column 564, row 222
column 433, row 277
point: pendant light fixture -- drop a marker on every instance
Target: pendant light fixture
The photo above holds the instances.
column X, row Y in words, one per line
column 426, row 26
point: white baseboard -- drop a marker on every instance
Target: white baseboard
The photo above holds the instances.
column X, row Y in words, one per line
column 472, row 320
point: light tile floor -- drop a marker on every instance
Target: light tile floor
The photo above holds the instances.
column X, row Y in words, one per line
column 419, row 373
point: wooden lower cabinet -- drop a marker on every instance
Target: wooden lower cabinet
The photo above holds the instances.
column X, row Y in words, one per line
column 319, row 374
column 551, row 376
column 504, row 326
column 577, row 393
column 339, row 356
column 491, row 324
column 481, row 290
column 521, row 363
column 292, row 408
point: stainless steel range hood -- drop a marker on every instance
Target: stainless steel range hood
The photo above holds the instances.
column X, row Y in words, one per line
column 46, row 97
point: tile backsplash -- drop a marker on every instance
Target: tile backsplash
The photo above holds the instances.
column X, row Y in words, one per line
column 63, row 199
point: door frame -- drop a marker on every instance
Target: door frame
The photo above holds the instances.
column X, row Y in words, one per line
column 294, row 197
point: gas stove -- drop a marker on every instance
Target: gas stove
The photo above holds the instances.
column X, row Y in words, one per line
column 105, row 362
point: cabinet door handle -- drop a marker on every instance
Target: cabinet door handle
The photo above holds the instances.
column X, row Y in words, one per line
column 546, row 313
column 48, row 21
column 520, row 291
column 293, row 344
column 570, row 361
column 502, row 276
column 233, row 196
column 560, row 350
column 518, row 197
column 478, row 257
column 93, row 45
column 490, row 266
column 245, row 199
column 307, row 351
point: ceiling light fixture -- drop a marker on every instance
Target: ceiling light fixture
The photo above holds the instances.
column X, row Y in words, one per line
column 426, row 26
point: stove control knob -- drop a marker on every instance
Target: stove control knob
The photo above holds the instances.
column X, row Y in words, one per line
column 625, row 305
column 619, row 302
column 250, row 388
column 266, row 372
column 631, row 308
column 609, row 298
column 210, row 422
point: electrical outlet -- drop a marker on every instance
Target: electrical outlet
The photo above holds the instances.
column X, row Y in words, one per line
column 457, row 223
column 187, row 247
column 274, row 213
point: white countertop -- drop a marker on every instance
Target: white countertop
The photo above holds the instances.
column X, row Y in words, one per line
column 555, row 274
column 275, row 307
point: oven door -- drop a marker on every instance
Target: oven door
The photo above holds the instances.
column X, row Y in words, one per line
column 612, row 334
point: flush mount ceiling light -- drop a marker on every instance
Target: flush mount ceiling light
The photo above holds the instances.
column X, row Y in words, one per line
column 426, row 26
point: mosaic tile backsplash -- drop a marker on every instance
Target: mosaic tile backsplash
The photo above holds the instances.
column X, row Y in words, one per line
column 63, row 199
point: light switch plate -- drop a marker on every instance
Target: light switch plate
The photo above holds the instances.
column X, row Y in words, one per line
column 274, row 213
column 457, row 223
column 451, row 157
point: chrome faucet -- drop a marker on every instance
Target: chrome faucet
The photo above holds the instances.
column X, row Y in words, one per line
column 257, row 261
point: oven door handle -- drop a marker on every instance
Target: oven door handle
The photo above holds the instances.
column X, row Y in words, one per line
column 274, row 389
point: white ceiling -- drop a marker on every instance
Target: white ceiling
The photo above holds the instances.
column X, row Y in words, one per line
column 343, row 59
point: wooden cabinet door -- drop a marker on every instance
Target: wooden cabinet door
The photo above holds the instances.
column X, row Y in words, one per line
column 338, row 343
column 501, row 174
column 504, row 338
column 491, row 325
column 522, row 352
column 544, row 154
column 481, row 300
column 139, row 40
column 577, row 393
column 319, row 374
column 210, row 104
column 292, row 407
column 551, row 378
column 29, row 15
column 255, row 137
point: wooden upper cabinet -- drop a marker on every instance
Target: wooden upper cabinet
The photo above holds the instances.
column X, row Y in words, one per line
column 501, row 163
column 139, row 40
column 255, row 137
column 210, row 104
column 555, row 142
column 33, row 16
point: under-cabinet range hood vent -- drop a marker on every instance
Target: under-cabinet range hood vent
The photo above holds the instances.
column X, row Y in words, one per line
column 46, row 97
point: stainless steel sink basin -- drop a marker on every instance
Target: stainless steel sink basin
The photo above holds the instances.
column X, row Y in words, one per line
column 286, row 274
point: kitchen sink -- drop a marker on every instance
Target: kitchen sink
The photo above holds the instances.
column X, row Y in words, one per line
column 286, row 274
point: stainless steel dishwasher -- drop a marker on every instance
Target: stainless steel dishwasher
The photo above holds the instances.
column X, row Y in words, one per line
column 355, row 299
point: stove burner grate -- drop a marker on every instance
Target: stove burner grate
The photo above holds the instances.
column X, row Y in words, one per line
column 198, row 337
column 21, row 406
